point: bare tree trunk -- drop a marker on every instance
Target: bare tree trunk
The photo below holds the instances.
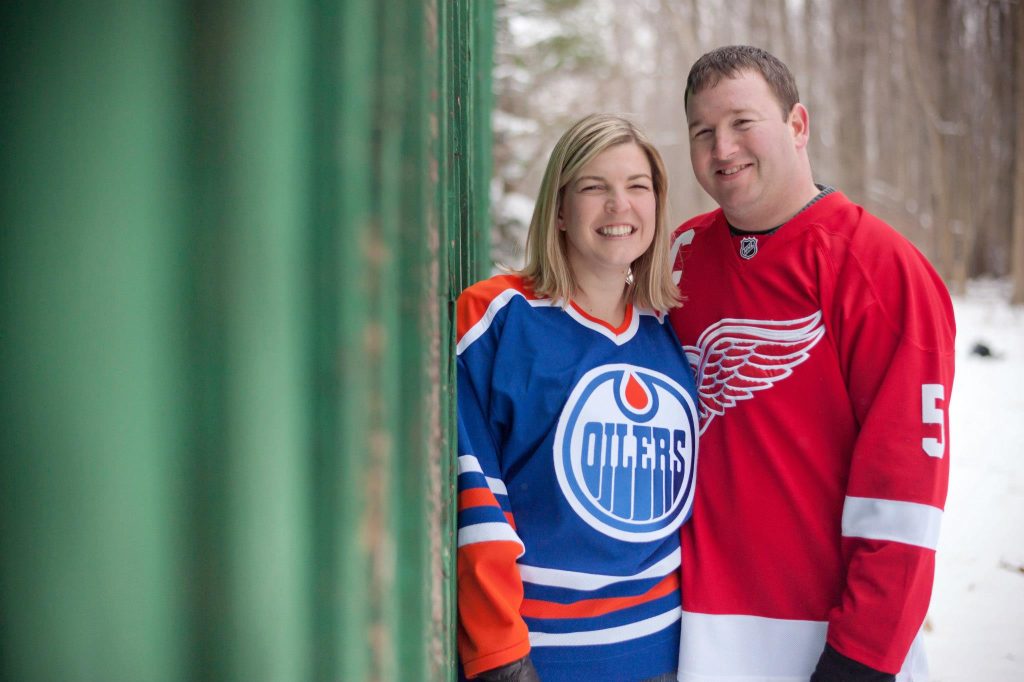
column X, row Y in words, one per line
column 917, row 109
column 1017, row 258
column 677, row 30
column 923, row 87
column 850, row 50
column 821, row 93
column 965, row 199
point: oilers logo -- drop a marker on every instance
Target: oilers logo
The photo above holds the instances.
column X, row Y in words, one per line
column 625, row 452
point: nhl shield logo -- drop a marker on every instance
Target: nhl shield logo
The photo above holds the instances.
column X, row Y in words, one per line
column 625, row 452
column 748, row 247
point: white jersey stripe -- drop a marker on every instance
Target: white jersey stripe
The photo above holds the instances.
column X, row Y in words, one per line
column 470, row 464
column 622, row 633
column 554, row 577
column 488, row 532
column 737, row 648
column 906, row 522
column 731, row 647
column 680, row 241
column 478, row 329
column 499, row 302
column 502, row 299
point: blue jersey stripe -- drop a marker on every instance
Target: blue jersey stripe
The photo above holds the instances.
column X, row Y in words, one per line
column 564, row 595
column 475, row 515
column 474, row 480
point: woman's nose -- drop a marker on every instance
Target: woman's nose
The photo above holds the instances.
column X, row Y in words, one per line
column 616, row 202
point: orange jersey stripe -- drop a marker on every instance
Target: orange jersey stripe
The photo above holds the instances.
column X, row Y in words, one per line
column 476, row 497
column 471, row 308
column 535, row 608
column 626, row 320
column 481, row 497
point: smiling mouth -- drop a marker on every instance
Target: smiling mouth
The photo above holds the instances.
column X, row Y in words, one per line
column 732, row 170
column 616, row 230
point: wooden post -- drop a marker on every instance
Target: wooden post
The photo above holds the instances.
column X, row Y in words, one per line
column 1017, row 243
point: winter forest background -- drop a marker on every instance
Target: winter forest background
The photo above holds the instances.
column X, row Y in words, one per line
column 914, row 106
column 917, row 113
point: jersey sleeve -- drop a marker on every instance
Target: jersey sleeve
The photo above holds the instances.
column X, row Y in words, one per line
column 491, row 632
column 895, row 334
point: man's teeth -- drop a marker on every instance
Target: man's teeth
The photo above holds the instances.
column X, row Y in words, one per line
column 615, row 230
column 732, row 171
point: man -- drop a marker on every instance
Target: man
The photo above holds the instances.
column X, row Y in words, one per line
column 822, row 342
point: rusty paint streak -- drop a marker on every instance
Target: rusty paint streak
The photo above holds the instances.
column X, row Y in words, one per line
column 376, row 249
column 430, row 21
column 378, row 541
column 375, row 339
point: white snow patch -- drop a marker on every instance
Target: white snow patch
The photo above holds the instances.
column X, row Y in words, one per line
column 504, row 122
column 975, row 627
column 519, row 208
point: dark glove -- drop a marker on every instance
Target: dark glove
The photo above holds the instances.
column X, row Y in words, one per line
column 516, row 671
column 835, row 667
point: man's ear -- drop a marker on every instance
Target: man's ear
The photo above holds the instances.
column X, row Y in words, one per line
column 800, row 123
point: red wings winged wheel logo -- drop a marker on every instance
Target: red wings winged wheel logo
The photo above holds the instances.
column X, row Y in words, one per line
column 734, row 358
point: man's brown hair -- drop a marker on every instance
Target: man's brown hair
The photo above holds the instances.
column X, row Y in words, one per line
column 730, row 61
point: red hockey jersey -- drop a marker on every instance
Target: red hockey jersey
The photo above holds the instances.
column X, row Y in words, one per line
column 824, row 361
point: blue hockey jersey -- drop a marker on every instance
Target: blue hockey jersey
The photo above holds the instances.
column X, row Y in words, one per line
column 577, row 464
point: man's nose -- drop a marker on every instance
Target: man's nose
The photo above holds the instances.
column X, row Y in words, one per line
column 725, row 145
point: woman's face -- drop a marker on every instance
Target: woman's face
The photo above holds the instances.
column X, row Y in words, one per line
column 609, row 213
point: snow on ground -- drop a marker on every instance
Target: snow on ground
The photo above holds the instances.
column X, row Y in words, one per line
column 975, row 627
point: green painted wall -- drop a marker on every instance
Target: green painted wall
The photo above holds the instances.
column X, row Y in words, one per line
column 232, row 237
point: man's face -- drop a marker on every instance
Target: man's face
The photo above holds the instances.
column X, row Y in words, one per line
column 745, row 153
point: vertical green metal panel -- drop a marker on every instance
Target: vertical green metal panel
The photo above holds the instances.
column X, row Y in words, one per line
column 416, row 326
column 233, row 238
column 448, row 230
column 342, row 101
column 464, row 117
column 250, row 178
column 470, row 58
column 481, row 64
column 383, row 248
column 90, row 463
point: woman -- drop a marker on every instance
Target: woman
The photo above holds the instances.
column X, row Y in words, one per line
column 577, row 430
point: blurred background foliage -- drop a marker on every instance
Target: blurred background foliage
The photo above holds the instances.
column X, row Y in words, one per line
column 915, row 106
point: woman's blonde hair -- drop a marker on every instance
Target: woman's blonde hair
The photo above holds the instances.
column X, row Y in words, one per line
column 547, row 266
